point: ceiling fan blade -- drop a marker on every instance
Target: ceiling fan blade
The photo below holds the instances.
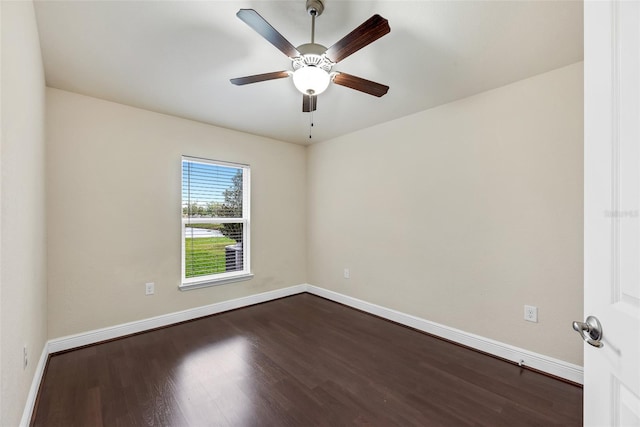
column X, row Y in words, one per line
column 368, row 32
column 262, row 27
column 309, row 103
column 358, row 83
column 239, row 81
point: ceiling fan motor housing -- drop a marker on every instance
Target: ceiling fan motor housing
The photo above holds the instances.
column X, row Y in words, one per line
column 312, row 54
column 315, row 7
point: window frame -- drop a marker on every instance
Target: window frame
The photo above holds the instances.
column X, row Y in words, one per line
column 226, row 277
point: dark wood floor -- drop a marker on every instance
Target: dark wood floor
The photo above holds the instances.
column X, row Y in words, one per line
column 297, row 361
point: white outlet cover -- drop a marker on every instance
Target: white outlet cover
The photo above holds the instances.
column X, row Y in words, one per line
column 149, row 288
column 531, row 313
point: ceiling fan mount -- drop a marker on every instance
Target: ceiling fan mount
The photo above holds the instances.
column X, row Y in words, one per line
column 315, row 7
column 312, row 63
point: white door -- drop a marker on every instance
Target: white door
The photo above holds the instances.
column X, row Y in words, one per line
column 611, row 208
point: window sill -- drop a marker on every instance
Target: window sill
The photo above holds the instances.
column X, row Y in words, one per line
column 215, row 282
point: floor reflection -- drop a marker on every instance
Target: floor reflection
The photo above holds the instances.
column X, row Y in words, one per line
column 217, row 375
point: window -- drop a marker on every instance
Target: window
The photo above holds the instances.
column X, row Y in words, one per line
column 215, row 222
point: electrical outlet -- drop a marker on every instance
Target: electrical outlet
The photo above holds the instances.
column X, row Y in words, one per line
column 531, row 313
column 149, row 288
column 25, row 357
column 347, row 273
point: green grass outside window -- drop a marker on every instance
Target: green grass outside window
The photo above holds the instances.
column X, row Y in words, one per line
column 205, row 255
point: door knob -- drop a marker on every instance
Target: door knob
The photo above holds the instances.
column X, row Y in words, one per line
column 591, row 331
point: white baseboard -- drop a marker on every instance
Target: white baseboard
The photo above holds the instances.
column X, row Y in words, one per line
column 35, row 386
column 104, row 334
column 537, row 361
column 534, row 360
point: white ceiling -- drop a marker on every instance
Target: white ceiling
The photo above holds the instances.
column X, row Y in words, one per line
column 176, row 57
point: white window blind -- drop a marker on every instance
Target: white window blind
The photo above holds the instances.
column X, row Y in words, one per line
column 215, row 222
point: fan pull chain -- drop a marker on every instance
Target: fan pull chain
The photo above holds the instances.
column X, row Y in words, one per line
column 310, row 123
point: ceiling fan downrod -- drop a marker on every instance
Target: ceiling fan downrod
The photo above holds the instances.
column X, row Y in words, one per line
column 315, row 9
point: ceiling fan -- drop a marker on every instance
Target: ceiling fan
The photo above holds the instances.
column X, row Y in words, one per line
column 312, row 63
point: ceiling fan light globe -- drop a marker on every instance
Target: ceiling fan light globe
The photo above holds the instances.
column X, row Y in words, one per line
column 311, row 80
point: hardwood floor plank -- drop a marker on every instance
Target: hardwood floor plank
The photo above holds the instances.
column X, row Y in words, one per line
column 297, row 361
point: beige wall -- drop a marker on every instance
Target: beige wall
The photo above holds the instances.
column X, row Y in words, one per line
column 23, row 287
column 462, row 214
column 114, row 195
